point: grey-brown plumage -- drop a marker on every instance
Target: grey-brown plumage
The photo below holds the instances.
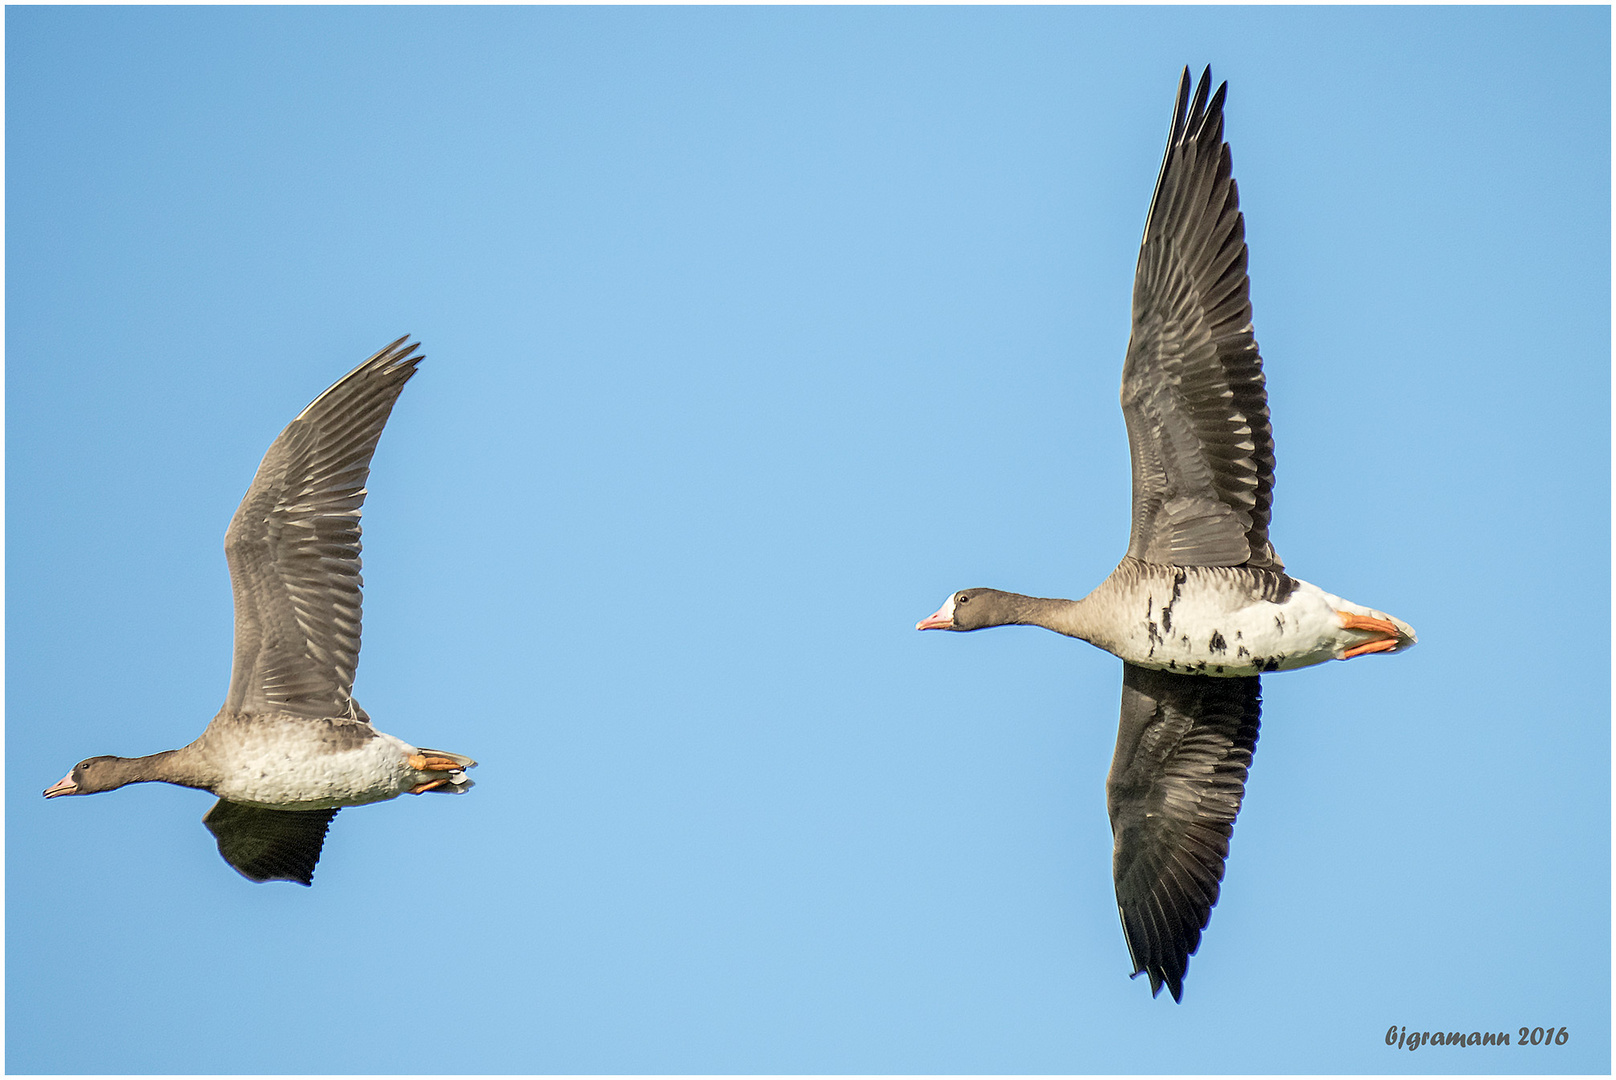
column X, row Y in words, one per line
column 1196, row 405
column 1193, row 393
column 1201, row 604
column 293, row 548
column 291, row 745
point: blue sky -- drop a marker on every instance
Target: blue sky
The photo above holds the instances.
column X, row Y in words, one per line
column 750, row 335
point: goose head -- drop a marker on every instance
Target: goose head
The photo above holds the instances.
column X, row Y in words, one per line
column 92, row 775
column 968, row 609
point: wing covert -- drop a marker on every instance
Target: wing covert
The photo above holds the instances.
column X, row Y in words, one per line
column 1193, row 391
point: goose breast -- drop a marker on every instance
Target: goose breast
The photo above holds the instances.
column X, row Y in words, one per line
column 1227, row 621
column 277, row 762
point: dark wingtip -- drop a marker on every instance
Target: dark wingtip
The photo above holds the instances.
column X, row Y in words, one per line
column 1198, row 106
column 1181, row 107
column 1205, row 111
column 259, row 877
column 1160, row 978
column 398, row 352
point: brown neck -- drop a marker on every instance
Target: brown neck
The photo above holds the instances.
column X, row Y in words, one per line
column 1013, row 609
column 170, row 767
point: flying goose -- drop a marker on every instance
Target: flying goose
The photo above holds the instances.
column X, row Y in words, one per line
column 291, row 746
column 1201, row 605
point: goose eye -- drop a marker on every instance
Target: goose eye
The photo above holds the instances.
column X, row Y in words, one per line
column 962, row 599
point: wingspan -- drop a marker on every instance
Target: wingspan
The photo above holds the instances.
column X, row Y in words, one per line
column 1183, row 750
column 269, row 845
column 1193, row 392
column 293, row 548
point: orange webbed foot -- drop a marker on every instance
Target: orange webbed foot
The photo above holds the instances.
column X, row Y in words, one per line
column 1388, row 635
column 436, row 762
column 1378, row 645
column 1364, row 622
column 423, row 763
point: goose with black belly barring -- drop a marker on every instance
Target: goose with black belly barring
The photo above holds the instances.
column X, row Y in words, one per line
column 1201, row 605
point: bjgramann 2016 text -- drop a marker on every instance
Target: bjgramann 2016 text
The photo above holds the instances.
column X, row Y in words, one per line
column 1403, row 1039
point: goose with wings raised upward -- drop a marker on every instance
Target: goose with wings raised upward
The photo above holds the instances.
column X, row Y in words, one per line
column 291, row 746
column 1201, row 605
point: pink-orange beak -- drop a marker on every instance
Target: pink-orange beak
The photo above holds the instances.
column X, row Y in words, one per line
column 941, row 619
column 64, row 786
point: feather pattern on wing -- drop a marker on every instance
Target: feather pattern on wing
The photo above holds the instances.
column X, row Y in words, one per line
column 1183, row 751
column 293, row 549
column 1193, row 392
column 269, row 845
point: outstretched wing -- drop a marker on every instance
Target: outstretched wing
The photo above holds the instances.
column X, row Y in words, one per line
column 293, row 548
column 1183, row 751
column 269, row 845
column 1192, row 385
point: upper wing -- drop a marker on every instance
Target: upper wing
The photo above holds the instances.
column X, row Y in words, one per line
column 1183, row 750
column 1192, row 385
column 269, row 845
column 293, row 548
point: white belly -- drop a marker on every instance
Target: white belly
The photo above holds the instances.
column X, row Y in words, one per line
column 1229, row 632
column 281, row 768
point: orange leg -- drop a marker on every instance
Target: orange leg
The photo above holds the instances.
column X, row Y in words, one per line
column 422, row 763
column 1364, row 622
column 1378, row 645
column 1387, row 635
column 419, row 788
